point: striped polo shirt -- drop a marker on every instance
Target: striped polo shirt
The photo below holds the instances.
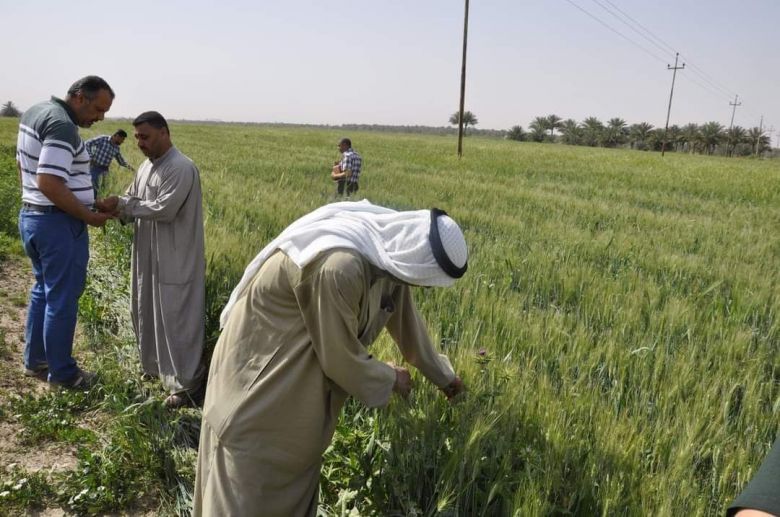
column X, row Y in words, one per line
column 49, row 143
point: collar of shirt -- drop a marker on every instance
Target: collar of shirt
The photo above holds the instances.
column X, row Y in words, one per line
column 67, row 108
column 165, row 156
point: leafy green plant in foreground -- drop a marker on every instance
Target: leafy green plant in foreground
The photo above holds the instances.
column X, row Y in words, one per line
column 22, row 490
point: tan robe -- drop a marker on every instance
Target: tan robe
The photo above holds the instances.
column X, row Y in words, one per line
column 292, row 350
column 168, row 268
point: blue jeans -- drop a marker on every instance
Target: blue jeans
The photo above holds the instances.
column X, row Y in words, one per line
column 58, row 247
column 97, row 174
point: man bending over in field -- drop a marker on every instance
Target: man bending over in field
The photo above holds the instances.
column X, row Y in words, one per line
column 169, row 265
column 761, row 497
column 294, row 346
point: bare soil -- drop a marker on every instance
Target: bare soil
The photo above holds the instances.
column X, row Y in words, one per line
column 15, row 282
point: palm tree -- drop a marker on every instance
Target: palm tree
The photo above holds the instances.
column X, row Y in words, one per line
column 615, row 133
column 734, row 136
column 592, row 130
column 639, row 134
column 571, row 131
column 9, row 110
column 689, row 134
column 674, row 136
column 764, row 144
column 516, row 133
column 759, row 142
column 538, row 129
column 655, row 139
column 469, row 119
column 553, row 123
column 710, row 135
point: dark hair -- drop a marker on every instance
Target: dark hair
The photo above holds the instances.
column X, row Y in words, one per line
column 346, row 141
column 121, row 132
column 89, row 87
column 152, row 118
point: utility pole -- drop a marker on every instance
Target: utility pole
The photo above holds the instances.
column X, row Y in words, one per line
column 731, row 125
column 760, row 132
column 463, row 81
column 671, row 93
column 735, row 104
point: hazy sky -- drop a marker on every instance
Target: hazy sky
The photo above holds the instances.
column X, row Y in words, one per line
column 398, row 62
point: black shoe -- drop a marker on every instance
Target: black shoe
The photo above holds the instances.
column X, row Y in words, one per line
column 41, row 370
column 82, row 381
column 192, row 398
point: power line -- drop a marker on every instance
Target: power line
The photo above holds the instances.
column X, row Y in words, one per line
column 648, row 31
column 708, row 89
column 630, row 26
column 751, row 112
column 702, row 79
column 698, row 71
column 710, row 84
column 605, row 24
column 648, row 35
column 661, row 44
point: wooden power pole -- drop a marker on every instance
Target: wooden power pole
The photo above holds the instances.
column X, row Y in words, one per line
column 731, row 124
column 671, row 93
column 463, row 81
column 733, row 111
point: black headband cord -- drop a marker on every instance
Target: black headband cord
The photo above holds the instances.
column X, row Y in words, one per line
column 438, row 249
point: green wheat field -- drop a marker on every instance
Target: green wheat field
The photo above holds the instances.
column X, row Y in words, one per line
column 617, row 331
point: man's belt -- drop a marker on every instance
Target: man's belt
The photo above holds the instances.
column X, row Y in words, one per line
column 45, row 209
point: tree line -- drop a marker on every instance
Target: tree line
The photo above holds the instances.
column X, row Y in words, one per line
column 9, row 110
column 711, row 138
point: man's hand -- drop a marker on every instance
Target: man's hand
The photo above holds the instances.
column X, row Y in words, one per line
column 453, row 389
column 108, row 205
column 54, row 188
column 98, row 219
column 336, row 173
column 403, row 381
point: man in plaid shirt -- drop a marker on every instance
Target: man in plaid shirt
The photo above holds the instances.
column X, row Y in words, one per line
column 102, row 151
column 347, row 170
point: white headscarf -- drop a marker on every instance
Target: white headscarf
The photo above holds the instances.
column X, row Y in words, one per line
column 396, row 242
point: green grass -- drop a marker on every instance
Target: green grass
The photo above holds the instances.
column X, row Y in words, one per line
column 21, row 490
column 627, row 306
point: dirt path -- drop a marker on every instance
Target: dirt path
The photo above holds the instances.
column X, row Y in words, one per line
column 15, row 282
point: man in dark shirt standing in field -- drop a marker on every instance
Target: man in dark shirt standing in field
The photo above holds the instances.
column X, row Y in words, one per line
column 346, row 172
column 57, row 197
column 102, row 151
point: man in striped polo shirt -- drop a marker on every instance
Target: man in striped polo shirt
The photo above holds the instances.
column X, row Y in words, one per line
column 57, row 199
